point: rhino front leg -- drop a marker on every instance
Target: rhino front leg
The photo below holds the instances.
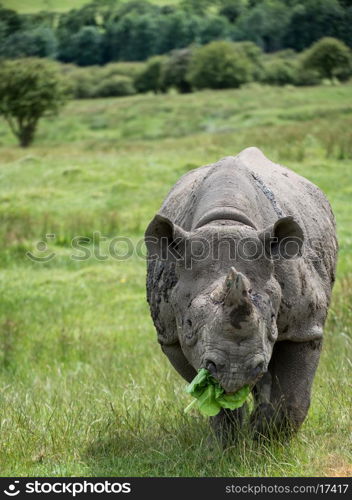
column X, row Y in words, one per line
column 227, row 425
column 292, row 369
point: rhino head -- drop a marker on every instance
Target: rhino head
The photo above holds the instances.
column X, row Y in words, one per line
column 226, row 299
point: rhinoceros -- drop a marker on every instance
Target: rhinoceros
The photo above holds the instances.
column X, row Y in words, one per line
column 240, row 268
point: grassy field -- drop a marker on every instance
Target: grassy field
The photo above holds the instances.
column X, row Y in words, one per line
column 84, row 388
column 62, row 6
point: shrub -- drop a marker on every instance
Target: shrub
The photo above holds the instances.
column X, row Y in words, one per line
column 82, row 81
column 306, row 76
column 280, row 72
column 130, row 69
column 331, row 58
column 114, row 86
column 29, row 89
column 150, row 79
column 219, row 65
column 254, row 55
column 116, row 79
column 175, row 70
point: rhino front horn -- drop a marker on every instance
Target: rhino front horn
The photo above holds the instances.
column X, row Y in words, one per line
column 236, row 286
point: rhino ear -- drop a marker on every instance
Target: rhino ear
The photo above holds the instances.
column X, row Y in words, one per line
column 164, row 239
column 284, row 239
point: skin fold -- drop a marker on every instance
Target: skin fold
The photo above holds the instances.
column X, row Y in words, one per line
column 241, row 264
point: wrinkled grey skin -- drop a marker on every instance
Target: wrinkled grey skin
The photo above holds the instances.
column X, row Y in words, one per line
column 249, row 319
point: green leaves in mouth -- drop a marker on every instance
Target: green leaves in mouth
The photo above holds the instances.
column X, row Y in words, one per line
column 210, row 397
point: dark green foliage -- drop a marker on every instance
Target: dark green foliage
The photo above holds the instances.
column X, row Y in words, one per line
column 112, row 30
column 29, row 89
column 175, row 71
column 331, row 58
column 10, row 20
column 178, row 30
column 71, row 25
column 219, row 65
column 196, row 6
column 265, row 24
column 40, row 42
column 86, row 46
column 73, row 20
column 215, row 28
column 346, row 3
column 132, row 38
column 312, row 20
column 132, row 7
column 150, row 79
column 231, row 9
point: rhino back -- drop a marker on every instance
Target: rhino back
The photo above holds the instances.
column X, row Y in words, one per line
column 253, row 185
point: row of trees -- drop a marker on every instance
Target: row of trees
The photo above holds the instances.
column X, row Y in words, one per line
column 32, row 87
column 116, row 30
column 217, row 65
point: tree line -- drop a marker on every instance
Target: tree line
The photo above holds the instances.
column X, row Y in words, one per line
column 104, row 31
column 34, row 87
column 216, row 65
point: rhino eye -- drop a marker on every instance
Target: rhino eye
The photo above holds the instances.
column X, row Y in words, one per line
column 189, row 322
column 191, row 338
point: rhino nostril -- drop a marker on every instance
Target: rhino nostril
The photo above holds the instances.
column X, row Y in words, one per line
column 211, row 367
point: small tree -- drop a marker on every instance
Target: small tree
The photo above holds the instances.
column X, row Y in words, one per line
column 29, row 89
column 219, row 65
column 331, row 58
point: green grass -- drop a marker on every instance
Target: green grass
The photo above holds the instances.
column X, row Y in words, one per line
column 28, row 6
column 84, row 388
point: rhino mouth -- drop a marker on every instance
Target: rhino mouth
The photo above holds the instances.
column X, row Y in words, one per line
column 237, row 387
column 233, row 382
